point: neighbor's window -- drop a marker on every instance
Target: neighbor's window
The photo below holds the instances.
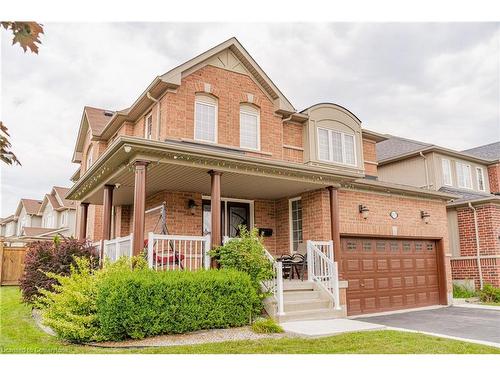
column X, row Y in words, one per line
column 336, row 147
column 205, row 122
column 90, row 159
column 464, row 176
column 148, row 127
column 296, row 223
column 446, row 171
column 480, row 179
column 64, row 218
column 249, row 127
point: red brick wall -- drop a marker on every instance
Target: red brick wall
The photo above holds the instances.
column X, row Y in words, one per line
column 488, row 217
column 494, row 177
column 466, row 269
column 94, row 222
column 123, row 221
column 293, row 143
column 230, row 89
column 370, row 155
column 265, row 217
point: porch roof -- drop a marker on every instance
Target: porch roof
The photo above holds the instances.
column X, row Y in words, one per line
column 183, row 166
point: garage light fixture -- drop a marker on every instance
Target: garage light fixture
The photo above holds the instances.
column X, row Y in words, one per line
column 363, row 210
column 425, row 216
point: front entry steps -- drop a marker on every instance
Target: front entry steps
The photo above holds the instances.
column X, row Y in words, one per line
column 303, row 300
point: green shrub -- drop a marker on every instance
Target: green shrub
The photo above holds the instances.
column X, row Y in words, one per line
column 266, row 326
column 71, row 308
column 144, row 302
column 246, row 254
column 489, row 294
column 460, row 291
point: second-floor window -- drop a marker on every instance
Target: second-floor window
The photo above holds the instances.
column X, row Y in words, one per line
column 89, row 161
column 249, row 127
column 446, row 172
column 64, row 218
column 480, row 179
column 336, row 147
column 148, row 127
column 464, row 176
column 205, row 119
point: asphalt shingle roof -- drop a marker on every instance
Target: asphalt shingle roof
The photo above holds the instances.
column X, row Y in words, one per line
column 465, row 195
column 396, row 146
column 490, row 151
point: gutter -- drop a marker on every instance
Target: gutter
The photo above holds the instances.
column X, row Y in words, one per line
column 157, row 114
column 426, row 170
column 478, row 258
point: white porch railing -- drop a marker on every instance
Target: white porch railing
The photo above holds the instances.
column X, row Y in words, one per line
column 97, row 245
column 274, row 285
column 170, row 252
column 118, row 247
column 322, row 270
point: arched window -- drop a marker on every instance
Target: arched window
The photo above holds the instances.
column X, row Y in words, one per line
column 249, row 127
column 205, row 118
column 90, row 157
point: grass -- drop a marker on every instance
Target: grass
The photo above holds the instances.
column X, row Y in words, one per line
column 19, row 334
column 266, row 326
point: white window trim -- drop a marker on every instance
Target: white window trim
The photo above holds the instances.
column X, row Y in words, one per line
column 149, row 116
column 459, row 165
column 290, row 220
column 448, row 163
column 256, row 114
column 216, row 125
column 479, row 171
column 64, row 218
column 90, row 157
column 330, row 145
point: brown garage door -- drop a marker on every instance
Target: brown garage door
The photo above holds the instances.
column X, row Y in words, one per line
column 389, row 274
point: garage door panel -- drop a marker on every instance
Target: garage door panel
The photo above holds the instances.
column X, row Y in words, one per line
column 389, row 274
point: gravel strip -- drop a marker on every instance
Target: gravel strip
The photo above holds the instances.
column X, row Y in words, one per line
column 199, row 337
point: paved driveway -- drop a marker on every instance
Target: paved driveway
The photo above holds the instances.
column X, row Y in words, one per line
column 467, row 323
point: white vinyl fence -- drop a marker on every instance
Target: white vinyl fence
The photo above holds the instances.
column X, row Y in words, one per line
column 118, row 247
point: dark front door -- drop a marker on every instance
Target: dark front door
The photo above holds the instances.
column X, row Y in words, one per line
column 238, row 214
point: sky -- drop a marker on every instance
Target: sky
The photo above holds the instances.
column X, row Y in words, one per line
column 438, row 83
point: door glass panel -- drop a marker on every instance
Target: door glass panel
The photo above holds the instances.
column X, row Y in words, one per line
column 239, row 214
column 207, row 218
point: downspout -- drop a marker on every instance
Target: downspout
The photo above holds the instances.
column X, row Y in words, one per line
column 426, row 171
column 157, row 114
column 476, row 229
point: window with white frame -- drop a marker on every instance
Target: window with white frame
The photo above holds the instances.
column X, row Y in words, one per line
column 148, row 127
column 337, row 147
column 90, row 158
column 249, row 127
column 446, row 165
column 464, row 175
column 480, row 179
column 205, row 119
column 295, row 223
column 64, row 218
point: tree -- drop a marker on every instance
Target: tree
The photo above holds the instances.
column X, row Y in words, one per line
column 27, row 34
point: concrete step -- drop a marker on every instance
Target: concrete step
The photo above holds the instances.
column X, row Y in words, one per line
column 297, row 285
column 327, row 313
column 306, row 305
column 300, row 295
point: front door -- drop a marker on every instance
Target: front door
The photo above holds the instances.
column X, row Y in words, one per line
column 233, row 214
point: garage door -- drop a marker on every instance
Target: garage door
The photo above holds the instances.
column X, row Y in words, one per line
column 389, row 274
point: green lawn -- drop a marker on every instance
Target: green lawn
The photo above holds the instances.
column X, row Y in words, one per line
column 19, row 334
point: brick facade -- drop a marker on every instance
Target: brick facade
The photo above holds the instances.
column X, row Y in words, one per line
column 494, row 177
column 370, row 157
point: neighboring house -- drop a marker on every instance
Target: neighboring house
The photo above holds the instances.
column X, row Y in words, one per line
column 471, row 174
column 219, row 143
column 38, row 220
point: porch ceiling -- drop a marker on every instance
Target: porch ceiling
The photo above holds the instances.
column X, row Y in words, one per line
column 174, row 177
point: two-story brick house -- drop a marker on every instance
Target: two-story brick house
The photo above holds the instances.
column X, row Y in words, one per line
column 220, row 144
column 474, row 217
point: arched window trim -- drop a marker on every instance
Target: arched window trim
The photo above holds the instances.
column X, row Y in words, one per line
column 210, row 101
column 249, row 109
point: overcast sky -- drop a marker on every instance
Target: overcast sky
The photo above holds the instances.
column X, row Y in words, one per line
column 438, row 83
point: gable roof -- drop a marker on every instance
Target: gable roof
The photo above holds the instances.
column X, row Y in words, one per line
column 30, row 205
column 57, row 199
column 397, row 148
column 7, row 219
column 60, row 193
column 490, row 151
column 97, row 118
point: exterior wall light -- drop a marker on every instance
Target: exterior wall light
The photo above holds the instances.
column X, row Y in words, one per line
column 127, row 148
column 425, row 216
column 192, row 206
column 363, row 210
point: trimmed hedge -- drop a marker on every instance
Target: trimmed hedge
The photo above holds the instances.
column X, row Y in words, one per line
column 144, row 302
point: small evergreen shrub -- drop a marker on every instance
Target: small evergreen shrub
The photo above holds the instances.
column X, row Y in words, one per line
column 245, row 254
column 460, row 291
column 54, row 258
column 144, row 302
column 266, row 326
column 489, row 294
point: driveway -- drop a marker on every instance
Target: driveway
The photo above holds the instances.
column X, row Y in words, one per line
column 473, row 324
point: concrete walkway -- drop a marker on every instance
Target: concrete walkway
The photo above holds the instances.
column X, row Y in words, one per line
column 327, row 327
